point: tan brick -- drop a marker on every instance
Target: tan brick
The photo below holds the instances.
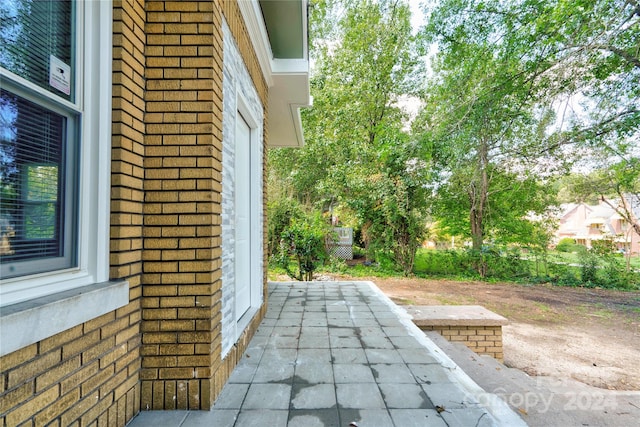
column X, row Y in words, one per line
column 59, row 339
column 189, row 39
column 160, row 290
column 160, row 314
column 30, row 407
column 98, row 350
column 130, row 362
column 175, row 373
column 194, row 313
column 15, row 397
column 122, row 389
column 158, row 395
column 60, row 405
column 74, row 380
column 95, row 411
column 55, row 374
column 158, row 338
column 177, row 325
column 181, row 6
column 18, row 357
column 127, row 334
column 32, row 368
column 194, row 290
column 182, row 301
column 163, row 16
column 111, row 356
column 194, row 394
column 165, row 361
column 146, row 395
column 90, row 385
column 181, row 394
column 176, row 349
column 112, row 383
column 194, row 360
column 148, row 374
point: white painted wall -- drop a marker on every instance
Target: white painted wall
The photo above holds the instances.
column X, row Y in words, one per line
column 239, row 94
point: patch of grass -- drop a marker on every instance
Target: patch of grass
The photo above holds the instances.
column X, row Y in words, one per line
column 371, row 270
column 543, row 307
column 463, row 300
column 595, row 310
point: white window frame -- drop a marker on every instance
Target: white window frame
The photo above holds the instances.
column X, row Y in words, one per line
column 63, row 290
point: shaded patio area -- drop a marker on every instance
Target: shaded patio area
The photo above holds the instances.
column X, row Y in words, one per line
column 335, row 353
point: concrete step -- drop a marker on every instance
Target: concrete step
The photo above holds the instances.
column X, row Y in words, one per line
column 545, row 401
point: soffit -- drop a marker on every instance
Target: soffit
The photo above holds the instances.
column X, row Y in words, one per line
column 278, row 30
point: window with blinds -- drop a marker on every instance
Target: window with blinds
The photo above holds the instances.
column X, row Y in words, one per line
column 38, row 138
column 35, row 34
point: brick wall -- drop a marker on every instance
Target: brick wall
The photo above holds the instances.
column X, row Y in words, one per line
column 162, row 350
column 89, row 375
column 182, row 366
column 480, row 339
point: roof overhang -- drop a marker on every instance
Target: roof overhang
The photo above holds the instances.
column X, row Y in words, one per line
column 280, row 27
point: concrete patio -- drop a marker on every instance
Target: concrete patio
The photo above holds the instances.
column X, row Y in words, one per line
column 333, row 353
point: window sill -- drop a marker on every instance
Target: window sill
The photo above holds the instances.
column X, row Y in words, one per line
column 31, row 321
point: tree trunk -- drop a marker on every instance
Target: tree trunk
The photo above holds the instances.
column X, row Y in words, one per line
column 478, row 195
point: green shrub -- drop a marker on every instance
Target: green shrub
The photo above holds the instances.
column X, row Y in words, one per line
column 564, row 275
column 506, row 264
column 280, row 214
column 569, row 245
column 304, row 241
column 590, row 264
column 566, row 245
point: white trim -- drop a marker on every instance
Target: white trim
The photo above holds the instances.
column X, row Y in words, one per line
column 99, row 130
column 242, row 105
column 254, row 22
column 256, row 210
column 290, row 66
column 32, row 87
column 287, row 79
column 29, row 322
column 94, row 87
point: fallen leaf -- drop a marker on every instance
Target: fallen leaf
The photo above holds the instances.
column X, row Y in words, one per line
column 522, row 411
column 440, row 408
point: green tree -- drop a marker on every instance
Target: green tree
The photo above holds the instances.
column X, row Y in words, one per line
column 483, row 123
column 356, row 154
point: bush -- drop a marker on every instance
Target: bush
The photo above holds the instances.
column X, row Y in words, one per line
column 280, row 214
column 506, row 264
column 564, row 275
column 441, row 262
column 565, row 245
column 569, row 245
column 304, row 241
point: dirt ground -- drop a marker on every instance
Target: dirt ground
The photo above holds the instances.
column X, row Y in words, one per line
column 589, row 335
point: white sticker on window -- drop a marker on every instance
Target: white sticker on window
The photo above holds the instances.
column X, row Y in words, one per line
column 59, row 75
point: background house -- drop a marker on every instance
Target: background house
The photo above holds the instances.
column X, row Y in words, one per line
column 587, row 223
column 134, row 137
